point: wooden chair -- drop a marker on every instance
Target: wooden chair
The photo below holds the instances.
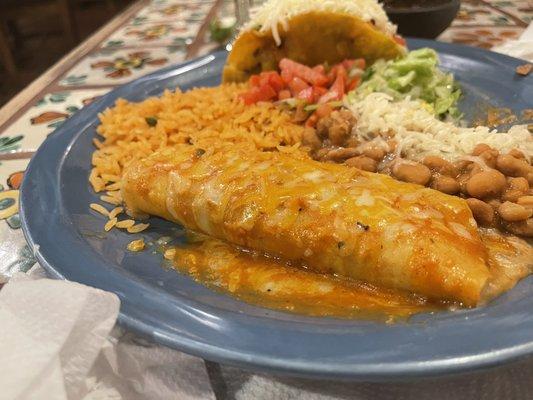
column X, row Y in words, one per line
column 13, row 10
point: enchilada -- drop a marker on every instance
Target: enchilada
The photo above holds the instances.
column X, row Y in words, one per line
column 329, row 218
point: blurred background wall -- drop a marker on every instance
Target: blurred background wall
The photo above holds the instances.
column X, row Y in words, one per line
column 34, row 34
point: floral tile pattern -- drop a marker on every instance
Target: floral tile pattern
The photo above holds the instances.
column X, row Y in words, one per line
column 15, row 254
column 187, row 12
column 482, row 37
column 29, row 131
column 9, row 144
column 155, row 34
column 487, row 24
column 476, row 13
column 119, row 66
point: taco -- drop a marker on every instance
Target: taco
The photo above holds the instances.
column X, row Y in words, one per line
column 312, row 32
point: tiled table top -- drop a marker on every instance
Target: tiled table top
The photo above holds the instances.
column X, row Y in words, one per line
column 147, row 36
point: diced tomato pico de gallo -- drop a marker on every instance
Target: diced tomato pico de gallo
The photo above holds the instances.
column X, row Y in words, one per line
column 320, row 85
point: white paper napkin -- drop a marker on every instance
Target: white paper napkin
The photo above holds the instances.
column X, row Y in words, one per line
column 50, row 334
column 131, row 368
column 57, row 342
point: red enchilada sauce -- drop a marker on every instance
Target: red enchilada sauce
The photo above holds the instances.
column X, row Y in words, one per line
column 272, row 283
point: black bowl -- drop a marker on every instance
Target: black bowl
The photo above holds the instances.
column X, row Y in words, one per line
column 423, row 21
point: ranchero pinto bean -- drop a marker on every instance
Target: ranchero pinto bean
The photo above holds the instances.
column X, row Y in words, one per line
column 375, row 153
column 336, row 127
column 522, row 228
column 463, row 180
column 512, row 212
column 311, row 139
column 339, row 132
column 412, row 172
column 511, row 166
column 340, row 154
column 516, row 154
column 525, row 201
column 482, row 212
column 351, row 142
column 489, row 157
column 473, row 168
column 486, row 184
column 521, row 184
column 445, row 184
column 494, row 203
column 480, row 148
column 363, row 162
column 512, row 195
column 440, row 165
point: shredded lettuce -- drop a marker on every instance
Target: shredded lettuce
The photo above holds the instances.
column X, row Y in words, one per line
column 416, row 75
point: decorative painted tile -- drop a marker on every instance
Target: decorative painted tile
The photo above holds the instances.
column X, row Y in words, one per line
column 228, row 8
column 29, row 131
column 481, row 37
column 477, row 13
column 172, row 11
column 15, row 254
column 160, row 34
column 528, row 18
column 521, row 9
column 496, row 13
column 117, row 66
column 164, row 3
column 10, row 144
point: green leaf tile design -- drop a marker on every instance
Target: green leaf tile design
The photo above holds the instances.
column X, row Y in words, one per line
column 76, row 79
column 14, row 221
column 24, row 261
column 59, row 97
column 9, row 143
column 114, row 43
column 6, row 203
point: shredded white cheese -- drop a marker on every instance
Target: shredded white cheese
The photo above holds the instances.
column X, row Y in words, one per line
column 366, row 199
column 460, row 230
column 313, row 176
column 278, row 12
column 419, row 133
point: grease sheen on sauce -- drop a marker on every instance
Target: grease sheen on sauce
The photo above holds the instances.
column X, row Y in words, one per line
column 272, row 283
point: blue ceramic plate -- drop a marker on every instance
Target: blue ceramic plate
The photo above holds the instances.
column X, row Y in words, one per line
column 173, row 310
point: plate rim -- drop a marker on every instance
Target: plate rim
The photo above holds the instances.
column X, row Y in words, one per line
column 373, row 372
